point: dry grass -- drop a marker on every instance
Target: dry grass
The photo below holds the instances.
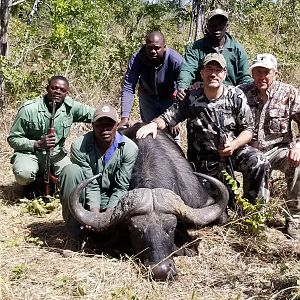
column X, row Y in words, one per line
column 229, row 265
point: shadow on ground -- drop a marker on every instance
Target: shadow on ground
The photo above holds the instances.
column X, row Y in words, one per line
column 51, row 233
column 12, row 193
column 115, row 242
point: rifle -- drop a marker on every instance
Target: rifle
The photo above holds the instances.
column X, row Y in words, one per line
column 222, row 138
column 49, row 153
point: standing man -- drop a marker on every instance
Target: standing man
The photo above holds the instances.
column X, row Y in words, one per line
column 221, row 126
column 274, row 106
column 215, row 40
column 103, row 150
column 28, row 135
column 155, row 67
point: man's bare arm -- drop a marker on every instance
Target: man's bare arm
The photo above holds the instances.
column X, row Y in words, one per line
column 151, row 128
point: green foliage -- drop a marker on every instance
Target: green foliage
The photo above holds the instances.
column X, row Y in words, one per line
column 34, row 240
column 92, row 41
column 254, row 216
column 40, row 206
column 79, row 291
column 18, row 271
column 124, row 293
column 61, row 282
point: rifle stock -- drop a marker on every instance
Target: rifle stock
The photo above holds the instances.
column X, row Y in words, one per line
column 49, row 153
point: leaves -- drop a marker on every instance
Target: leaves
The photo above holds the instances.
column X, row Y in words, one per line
column 253, row 216
column 40, row 206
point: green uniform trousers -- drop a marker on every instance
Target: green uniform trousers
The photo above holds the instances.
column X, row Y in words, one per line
column 28, row 167
column 69, row 178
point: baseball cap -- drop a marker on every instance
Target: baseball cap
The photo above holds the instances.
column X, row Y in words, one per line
column 265, row 60
column 105, row 110
column 217, row 12
column 219, row 58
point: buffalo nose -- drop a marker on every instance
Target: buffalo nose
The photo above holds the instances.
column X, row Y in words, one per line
column 164, row 271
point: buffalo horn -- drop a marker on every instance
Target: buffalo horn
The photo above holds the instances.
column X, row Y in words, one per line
column 83, row 216
column 137, row 201
column 169, row 202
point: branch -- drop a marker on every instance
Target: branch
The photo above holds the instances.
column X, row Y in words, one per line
column 17, row 2
column 33, row 11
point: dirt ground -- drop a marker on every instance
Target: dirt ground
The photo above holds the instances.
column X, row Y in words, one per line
column 229, row 264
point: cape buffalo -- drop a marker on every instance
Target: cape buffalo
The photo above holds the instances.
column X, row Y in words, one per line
column 163, row 188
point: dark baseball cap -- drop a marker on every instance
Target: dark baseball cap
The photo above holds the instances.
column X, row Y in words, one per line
column 217, row 12
column 105, row 110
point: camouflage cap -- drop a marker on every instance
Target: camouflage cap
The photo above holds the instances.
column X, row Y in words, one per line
column 219, row 58
column 217, row 12
column 264, row 60
column 105, row 110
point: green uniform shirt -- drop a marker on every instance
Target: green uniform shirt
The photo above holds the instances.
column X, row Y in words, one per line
column 233, row 52
column 33, row 118
column 116, row 173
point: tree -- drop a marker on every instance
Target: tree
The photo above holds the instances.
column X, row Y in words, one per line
column 4, row 19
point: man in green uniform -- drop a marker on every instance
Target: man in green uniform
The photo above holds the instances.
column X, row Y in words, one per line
column 215, row 40
column 28, row 136
column 103, row 150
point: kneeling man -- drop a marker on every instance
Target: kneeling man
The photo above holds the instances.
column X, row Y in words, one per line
column 274, row 106
column 103, row 150
column 221, row 128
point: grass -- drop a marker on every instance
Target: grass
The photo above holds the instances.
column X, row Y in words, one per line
column 229, row 265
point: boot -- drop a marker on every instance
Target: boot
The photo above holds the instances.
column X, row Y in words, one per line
column 292, row 229
column 73, row 244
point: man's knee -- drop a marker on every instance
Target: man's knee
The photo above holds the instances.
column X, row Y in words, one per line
column 70, row 172
column 24, row 177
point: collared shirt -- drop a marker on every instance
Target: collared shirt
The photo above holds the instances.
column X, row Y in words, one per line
column 33, row 118
column 273, row 118
column 233, row 52
column 229, row 112
column 115, row 166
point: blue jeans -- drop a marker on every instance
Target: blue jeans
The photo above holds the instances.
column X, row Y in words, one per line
column 152, row 107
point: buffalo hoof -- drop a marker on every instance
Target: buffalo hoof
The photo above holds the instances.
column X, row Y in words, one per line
column 164, row 271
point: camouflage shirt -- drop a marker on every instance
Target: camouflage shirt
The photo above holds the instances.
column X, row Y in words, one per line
column 229, row 114
column 273, row 118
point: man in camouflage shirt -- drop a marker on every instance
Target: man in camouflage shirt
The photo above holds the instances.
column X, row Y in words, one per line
column 221, row 126
column 274, row 105
column 30, row 140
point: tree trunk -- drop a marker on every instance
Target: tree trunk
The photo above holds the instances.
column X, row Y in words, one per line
column 4, row 15
column 180, row 21
column 200, row 20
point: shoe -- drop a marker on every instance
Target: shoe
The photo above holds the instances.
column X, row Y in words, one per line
column 224, row 218
column 72, row 246
column 292, row 229
column 32, row 190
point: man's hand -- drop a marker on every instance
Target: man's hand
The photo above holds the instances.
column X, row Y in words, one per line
column 180, row 95
column 47, row 142
column 228, row 149
column 175, row 130
column 146, row 130
column 97, row 211
column 124, row 123
column 294, row 157
column 195, row 86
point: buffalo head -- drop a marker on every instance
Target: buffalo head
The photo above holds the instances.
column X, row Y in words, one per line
column 151, row 214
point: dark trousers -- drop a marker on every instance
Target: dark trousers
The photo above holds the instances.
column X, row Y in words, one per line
column 251, row 162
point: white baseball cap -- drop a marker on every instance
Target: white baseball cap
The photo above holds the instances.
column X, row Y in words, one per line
column 264, row 60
